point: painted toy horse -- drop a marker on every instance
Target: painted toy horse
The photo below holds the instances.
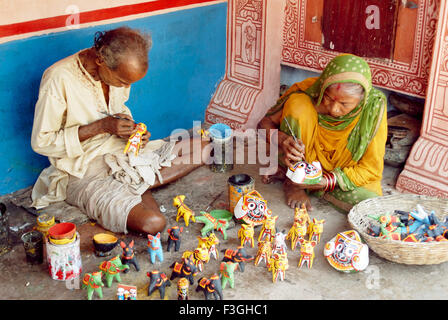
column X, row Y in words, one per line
column 183, row 211
column 185, row 269
column 155, row 248
column 174, row 238
column 112, row 269
column 268, row 229
column 211, row 223
column 246, row 234
column 128, row 256
column 227, row 272
column 301, row 214
column 264, row 252
column 239, row 256
column 135, row 140
column 210, row 243
column 307, row 253
column 157, row 281
column 315, row 229
column 199, row 256
column 210, row 287
column 93, row 283
column 278, row 264
column 298, row 231
column 279, row 245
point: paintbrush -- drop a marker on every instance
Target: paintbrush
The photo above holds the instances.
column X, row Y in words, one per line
column 290, row 130
column 114, row 116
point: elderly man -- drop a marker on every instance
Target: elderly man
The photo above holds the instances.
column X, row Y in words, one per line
column 82, row 124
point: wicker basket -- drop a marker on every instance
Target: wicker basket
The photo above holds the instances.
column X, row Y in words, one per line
column 419, row 253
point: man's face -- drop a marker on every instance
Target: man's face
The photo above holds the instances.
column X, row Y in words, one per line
column 127, row 72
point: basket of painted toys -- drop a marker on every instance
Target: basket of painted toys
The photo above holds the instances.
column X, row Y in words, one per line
column 404, row 228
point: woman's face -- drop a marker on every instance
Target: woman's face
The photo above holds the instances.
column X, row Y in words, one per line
column 336, row 102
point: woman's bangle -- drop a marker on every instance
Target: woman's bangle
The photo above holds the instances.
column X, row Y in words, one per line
column 330, row 181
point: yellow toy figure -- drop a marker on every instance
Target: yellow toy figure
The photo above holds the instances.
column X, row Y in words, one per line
column 264, row 252
column 268, row 228
column 210, row 242
column 301, row 214
column 298, row 231
column 315, row 229
column 183, row 210
column 306, row 253
column 182, row 289
column 135, row 140
column 199, row 256
column 246, row 233
column 278, row 265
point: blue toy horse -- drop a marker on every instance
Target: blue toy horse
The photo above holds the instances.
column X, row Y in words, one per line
column 155, row 247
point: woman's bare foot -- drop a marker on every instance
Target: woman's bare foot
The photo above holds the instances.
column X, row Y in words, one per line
column 280, row 175
column 295, row 195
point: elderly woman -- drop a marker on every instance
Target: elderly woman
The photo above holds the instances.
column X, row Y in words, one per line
column 340, row 120
column 82, row 125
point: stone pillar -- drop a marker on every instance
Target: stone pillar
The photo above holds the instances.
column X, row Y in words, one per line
column 252, row 79
column 426, row 169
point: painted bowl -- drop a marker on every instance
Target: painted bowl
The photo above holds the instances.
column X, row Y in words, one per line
column 62, row 241
column 63, row 230
column 104, row 243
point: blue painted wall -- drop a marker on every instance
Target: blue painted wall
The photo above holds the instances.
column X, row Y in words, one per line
column 187, row 61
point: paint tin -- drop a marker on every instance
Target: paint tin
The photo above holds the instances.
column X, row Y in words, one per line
column 221, row 139
column 64, row 261
column 33, row 242
column 239, row 185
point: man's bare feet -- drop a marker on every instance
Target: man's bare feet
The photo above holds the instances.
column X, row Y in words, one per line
column 295, row 195
column 280, row 175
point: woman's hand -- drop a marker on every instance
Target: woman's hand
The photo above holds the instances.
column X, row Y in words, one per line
column 317, row 186
column 293, row 151
column 121, row 127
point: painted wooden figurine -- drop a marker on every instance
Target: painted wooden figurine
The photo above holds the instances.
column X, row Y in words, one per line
column 305, row 173
column 307, row 253
column 278, row 264
column 246, row 234
column 301, row 214
column 135, row 140
column 199, row 256
column 112, row 269
column 345, row 252
column 252, row 208
column 279, row 245
column 268, row 229
column 128, row 255
column 155, row 248
column 298, row 231
column 212, row 223
column 211, row 242
column 227, row 273
column 315, row 229
column 239, row 256
column 182, row 289
column 211, row 287
column 183, row 211
column 93, row 283
column 174, row 238
column 157, row 281
column 264, row 252
column 184, row 269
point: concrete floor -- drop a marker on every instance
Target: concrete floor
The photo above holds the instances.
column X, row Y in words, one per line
column 382, row 280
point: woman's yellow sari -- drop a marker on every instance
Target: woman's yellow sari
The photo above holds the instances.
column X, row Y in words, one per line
column 352, row 147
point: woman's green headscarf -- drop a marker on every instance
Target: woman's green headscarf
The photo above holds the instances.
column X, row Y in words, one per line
column 349, row 68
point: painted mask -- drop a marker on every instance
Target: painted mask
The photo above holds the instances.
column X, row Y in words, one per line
column 252, row 208
column 307, row 173
column 346, row 253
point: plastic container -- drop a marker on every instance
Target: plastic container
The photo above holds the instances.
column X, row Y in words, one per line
column 64, row 261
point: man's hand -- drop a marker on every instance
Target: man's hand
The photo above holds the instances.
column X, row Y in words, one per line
column 123, row 127
column 293, row 151
column 145, row 139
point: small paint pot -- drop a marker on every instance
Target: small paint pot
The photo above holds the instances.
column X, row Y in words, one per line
column 34, row 249
column 221, row 139
column 64, row 261
column 44, row 223
column 239, row 185
column 104, row 243
column 64, row 230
